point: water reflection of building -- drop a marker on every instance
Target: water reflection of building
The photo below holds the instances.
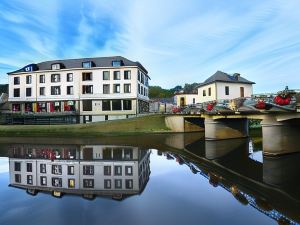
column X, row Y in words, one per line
column 88, row 170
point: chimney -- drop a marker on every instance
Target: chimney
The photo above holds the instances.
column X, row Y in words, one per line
column 236, row 76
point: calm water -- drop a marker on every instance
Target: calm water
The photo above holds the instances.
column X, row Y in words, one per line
column 152, row 179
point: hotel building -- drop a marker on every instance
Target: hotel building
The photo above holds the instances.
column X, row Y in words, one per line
column 80, row 90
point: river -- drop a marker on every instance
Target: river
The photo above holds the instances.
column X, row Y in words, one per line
column 146, row 179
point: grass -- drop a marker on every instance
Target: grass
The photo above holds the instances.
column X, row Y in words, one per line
column 144, row 124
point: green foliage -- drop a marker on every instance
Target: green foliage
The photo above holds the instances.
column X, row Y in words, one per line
column 190, row 88
column 158, row 92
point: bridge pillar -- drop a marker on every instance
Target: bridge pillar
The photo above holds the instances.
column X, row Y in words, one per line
column 219, row 129
column 280, row 137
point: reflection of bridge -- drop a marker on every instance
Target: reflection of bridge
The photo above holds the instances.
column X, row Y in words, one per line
column 280, row 130
column 270, row 186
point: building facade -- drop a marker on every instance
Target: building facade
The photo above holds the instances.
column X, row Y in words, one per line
column 86, row 90
column 222, row 86
column 183, row 99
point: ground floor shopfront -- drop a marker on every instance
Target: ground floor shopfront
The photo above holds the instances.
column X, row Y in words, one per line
column 75, row 111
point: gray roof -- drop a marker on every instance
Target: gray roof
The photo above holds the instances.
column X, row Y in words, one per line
column 77, row 63
column 224, row 77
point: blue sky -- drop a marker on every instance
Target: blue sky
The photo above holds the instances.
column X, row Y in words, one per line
column 177, row 41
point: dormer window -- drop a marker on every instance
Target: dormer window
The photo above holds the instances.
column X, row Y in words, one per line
column 87, row 64
column 117, row 63
column 55, row 66
column 28, row 69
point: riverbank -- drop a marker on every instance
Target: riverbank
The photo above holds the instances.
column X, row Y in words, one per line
column 134, row 126
column 139, row 125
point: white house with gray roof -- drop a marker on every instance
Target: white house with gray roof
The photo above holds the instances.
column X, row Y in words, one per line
column 79, row 90
column 223, row 86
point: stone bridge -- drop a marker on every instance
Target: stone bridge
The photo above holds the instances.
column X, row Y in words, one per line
column 280, row 131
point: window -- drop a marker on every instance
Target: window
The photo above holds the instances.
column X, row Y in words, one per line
column 127, row 75
column 43, row 180
column 29, row 167
column 18, row 178
column 56, row 169
column 118, row 170
column 139, row 87
column 71, row 183
column 88, row 183
column 70, row 170
column 117, row 63
column 226, row 90
column 88, row 170
column 55, row 66
column 17, row 92
column 128, row 154
column 116, row 88
column 70, row 90
column 106, row 75
column 28, row 79
column 29, row 179
column 69, row 77
column 106, row 88
column 127, row 105
column 107, row 170
column 128, row 183
column 42, row 78
column 28, row 107
column 28, row 92
column 128, row 170
column 87, row 64
column 87, row 76
column 42, row 168
column 106, row 105
column 56, row 182
column 17, row 166
column 16, row 80
column 127, row 88
column 117, row 75
column 118, row 183
column 87, row 89
column 55, row 90
column 209, row 91
column 87, row 105
column 42, row 91
column 142, row 78
column 16, row 107
column 107, row 184
column 142, row 90
column 204, row 92
column 55, row 78
column 146, row 81
column 116, row 105
column 28, row 68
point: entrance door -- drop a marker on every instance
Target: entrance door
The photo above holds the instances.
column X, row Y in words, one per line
column 182, row 102
column 242, row 92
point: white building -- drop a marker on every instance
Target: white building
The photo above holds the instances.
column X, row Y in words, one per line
column 222, row 86
column 183, row 99
column 84, row 90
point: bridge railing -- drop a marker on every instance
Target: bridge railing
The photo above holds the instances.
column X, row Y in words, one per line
column 283, row 101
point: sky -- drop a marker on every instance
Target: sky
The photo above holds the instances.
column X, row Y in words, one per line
column 177, row 41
